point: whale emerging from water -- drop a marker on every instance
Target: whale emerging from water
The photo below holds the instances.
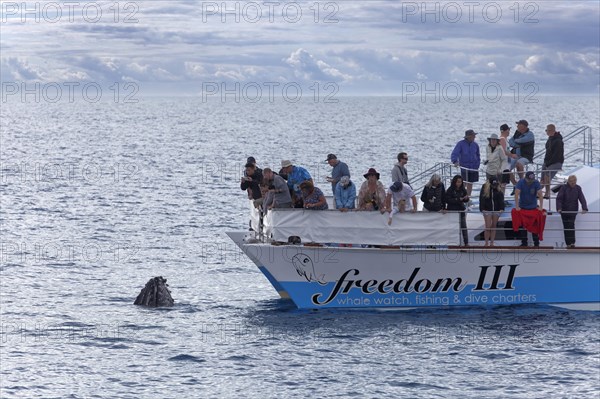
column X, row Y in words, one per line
column 155, row 294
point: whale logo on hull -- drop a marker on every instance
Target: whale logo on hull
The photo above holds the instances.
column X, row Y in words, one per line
column 306, row 268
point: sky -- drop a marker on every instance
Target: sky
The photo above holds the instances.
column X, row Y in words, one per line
column 368, row 47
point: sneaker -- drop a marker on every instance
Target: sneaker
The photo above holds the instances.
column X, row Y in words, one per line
column 523, row 245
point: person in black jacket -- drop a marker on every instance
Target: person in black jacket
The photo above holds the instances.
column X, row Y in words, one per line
column 491, row 204
column 252, row 180
column 567, row 204
column 554, row 158
column 434, row 194
column 456, row 197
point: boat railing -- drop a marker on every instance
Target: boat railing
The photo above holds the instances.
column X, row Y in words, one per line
column 447, row 170
column 586, row 148
column 588, row 226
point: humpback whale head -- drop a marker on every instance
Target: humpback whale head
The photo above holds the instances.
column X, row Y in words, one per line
column 155, row 294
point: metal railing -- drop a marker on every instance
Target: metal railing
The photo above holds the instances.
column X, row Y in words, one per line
column 447, row 170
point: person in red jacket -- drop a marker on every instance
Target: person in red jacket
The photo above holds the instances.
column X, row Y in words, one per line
column 528, row 192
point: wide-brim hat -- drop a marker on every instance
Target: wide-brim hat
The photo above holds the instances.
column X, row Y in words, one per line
column 371, row 171
column 493, row 136
column 285, row 163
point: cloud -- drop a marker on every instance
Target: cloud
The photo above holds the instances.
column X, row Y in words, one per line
column 559, row 64
column 19, row 69
column 308, row 68
column 374, row 47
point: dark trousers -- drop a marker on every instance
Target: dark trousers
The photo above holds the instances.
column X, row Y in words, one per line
column 523, row 237
column 568, row 220
column 463, row 228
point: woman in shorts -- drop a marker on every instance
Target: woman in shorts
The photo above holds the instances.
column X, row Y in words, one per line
column 491, row 204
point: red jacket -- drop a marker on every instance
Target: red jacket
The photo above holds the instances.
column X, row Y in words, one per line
column 533, row 220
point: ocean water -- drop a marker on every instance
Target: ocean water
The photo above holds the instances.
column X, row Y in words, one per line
column 98, row 198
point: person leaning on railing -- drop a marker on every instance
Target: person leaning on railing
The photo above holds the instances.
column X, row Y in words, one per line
column 567, row 204
column 313, row 197
column 371, row 196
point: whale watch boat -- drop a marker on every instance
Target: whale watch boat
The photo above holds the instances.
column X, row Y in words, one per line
column 330, row 259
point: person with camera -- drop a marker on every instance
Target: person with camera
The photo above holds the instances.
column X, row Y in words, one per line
column 434, row 194
column 491, row 204
column 340, row 169
column 251, row 181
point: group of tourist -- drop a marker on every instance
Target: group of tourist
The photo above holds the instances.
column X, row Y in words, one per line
column 293, row 186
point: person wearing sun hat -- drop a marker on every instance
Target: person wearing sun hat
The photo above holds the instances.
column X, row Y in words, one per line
column 466, row 155
column 371, row 196
column 496, row 159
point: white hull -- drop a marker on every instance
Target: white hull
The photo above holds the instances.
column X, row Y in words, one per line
column 341, row 277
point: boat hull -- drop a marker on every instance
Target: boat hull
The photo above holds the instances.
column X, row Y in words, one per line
column 341, row 277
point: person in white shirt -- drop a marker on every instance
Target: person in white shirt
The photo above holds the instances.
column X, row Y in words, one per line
column 400, row 198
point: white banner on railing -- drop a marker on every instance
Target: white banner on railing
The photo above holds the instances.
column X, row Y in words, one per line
column 421, row 228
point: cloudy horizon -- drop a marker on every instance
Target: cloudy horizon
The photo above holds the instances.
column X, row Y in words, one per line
column 357, row 48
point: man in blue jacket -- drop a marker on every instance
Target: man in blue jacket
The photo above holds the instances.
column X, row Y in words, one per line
column 466, row 155
column 295, row 176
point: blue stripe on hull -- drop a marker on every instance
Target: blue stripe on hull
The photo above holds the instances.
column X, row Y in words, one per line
column 278, row 287
column 546, row 289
